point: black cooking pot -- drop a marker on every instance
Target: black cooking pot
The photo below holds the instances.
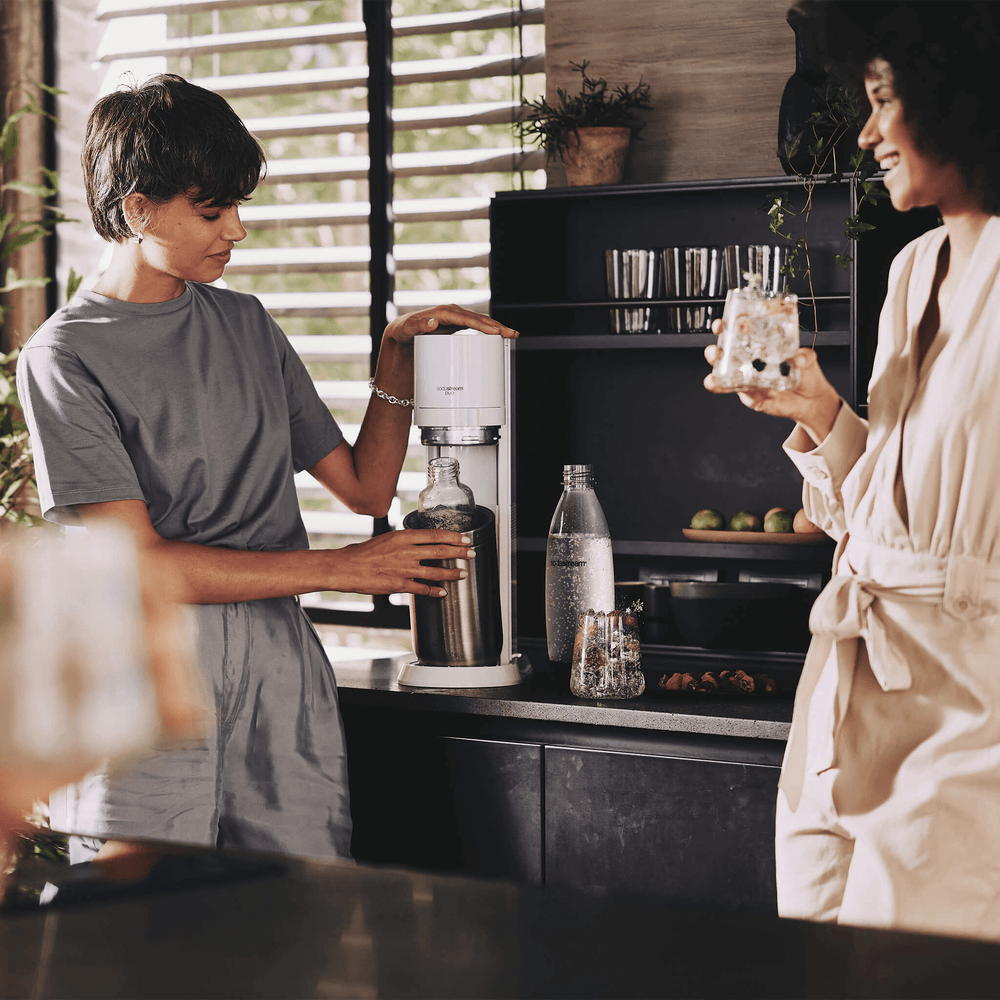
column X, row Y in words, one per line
column 772, row 616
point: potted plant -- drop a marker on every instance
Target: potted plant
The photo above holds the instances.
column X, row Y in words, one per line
column 590, row 130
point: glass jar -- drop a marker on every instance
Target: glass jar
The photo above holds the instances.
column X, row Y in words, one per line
column 445, row 502
column 607, row 660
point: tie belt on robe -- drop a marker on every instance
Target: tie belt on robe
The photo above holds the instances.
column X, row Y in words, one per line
column 850, row 608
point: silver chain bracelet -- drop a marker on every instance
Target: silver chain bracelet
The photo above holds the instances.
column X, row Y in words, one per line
column 408, row 403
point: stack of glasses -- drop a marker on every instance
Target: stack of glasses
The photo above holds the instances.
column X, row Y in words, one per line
column 694, row 281
column 693, row 273
column 765, row 262
column 632, row 274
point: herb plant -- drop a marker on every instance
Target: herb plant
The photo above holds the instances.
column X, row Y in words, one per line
column 549, row 126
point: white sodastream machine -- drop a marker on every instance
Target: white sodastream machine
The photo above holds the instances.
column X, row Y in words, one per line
column 462, row 405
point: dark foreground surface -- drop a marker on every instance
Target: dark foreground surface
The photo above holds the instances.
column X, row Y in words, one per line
column 211, row 925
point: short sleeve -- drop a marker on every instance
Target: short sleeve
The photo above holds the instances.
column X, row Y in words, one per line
column 75, row 438
column 314, row 432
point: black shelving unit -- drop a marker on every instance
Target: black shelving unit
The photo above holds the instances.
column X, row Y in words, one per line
column 633, row 405
column 645, row 341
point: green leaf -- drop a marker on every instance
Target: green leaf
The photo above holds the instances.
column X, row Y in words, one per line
column 844, row 260
column 73, row 282
column 14, row 243
column 9, row 132
column 854, row 228
column 10, row 286
column 11, row 491
column 38, row 190
column 54, row 217
column 8, row 139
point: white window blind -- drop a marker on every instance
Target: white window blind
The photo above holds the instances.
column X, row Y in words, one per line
column 297, row 74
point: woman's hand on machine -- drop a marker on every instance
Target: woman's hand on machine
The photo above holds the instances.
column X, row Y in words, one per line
column 814, row 403
column 405, row 328
column 393, row 563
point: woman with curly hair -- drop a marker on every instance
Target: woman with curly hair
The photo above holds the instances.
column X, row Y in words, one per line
column 889, row 799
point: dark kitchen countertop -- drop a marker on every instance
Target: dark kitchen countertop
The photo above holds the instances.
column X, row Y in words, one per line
column 293, row 928
column 371, row 682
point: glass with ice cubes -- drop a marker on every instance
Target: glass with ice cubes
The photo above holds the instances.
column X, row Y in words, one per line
column 760, row 333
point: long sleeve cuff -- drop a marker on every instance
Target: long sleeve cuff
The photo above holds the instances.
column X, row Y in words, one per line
column 827, row 464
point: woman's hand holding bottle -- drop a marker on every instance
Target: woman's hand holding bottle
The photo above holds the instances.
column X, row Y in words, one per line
column 392, row 563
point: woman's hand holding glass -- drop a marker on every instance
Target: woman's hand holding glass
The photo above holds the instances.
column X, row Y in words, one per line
column 813, row 404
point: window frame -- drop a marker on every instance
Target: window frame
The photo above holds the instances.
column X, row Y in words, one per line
column 379, row 30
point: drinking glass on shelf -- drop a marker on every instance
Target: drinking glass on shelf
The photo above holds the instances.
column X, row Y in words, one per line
column 693, row 273
column 631, row 274
column 760, row 261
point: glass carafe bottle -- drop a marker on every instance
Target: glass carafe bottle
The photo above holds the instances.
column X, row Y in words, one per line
column 445, row 502
column 579, row 571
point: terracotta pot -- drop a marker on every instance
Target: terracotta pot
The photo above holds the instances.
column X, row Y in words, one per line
column 597, row 156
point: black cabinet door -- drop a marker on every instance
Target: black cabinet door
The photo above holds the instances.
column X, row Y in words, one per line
column 441, row 803
column 697, row 832
column 497, row 806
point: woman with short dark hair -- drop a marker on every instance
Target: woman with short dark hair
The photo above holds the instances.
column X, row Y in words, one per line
column 179, row 409
column 165, row 138
column 889, row 800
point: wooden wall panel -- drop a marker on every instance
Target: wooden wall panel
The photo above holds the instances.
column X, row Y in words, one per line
column 21, row 64
column 717, row 70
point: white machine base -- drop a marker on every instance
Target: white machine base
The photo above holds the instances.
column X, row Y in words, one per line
column 416, row 674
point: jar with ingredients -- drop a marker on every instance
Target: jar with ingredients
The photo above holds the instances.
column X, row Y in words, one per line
column 579, row 570
column 606, row 656
column 445, row 502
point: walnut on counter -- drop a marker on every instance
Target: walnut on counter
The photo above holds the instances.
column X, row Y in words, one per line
column 709, row 683
column 741, row 681
column 712, row 682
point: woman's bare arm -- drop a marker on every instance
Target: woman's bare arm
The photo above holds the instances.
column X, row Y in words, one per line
column 210, row 574
column 364, row 477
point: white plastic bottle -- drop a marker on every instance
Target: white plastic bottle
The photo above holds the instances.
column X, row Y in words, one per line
column 579, row 570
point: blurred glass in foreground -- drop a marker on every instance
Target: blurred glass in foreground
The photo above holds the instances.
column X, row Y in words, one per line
column 95, row 666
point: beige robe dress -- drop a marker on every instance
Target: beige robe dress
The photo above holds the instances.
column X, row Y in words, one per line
column 889, row 809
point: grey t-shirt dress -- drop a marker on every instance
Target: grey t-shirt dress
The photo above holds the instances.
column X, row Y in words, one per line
column 200, row 407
